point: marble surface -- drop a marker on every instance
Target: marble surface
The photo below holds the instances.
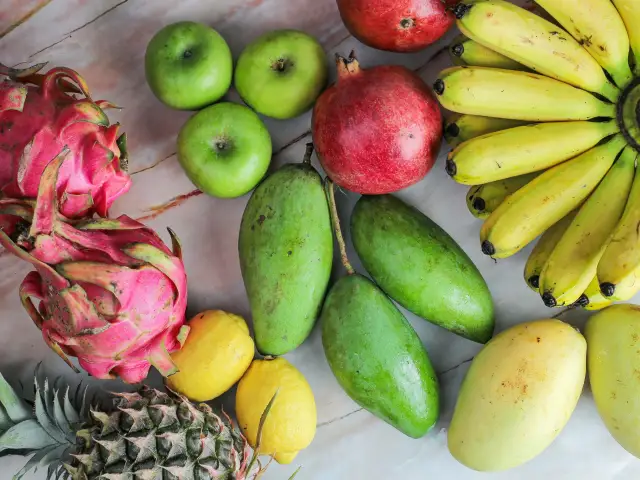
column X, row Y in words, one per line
column 105, row 41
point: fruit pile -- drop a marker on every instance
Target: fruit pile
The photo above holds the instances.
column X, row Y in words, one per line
column 225, row 148
column 61, row 167
column 546, row 133
column 286, row 257
column 523, row 386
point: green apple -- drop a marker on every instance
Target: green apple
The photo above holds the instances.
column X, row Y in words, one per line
column 188, row 65
column 281, row 73
column 225, row 149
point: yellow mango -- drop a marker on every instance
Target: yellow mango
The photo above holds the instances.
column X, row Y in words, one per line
column 613, row 360
column 518, row 394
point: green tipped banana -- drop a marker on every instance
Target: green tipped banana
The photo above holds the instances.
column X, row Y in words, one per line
column 465, row 51
column 542, row 250
column 546, row 199
column 619, row 268
column 597, row 26
column 629, row 10
column 484, row 199
column 594, row 298
column 494, row 92
column 530, row 148
column 532, row 41
column 465, row 127
column 573, row 263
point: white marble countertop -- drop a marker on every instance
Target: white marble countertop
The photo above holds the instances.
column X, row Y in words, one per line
column 105, row 41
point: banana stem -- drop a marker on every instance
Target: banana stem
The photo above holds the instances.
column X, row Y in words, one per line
column 330, row 191
column 564, row 310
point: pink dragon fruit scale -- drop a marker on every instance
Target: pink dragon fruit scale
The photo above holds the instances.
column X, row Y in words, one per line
column 40, row 114
column 110, row 292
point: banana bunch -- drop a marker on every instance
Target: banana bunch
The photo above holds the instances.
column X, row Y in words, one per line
column 545, row 130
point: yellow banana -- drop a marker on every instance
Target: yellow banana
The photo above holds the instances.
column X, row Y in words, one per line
column 594, row 300
column 619, row 268
column 624, row 290
column 524, row 149
column 484, row 199
column 465, row 127
column 465, row 51
column 546, row 199
column 532, row 41
column 597, row 26
column 629, row 10
column 500, row 93
column 573, row 263
column 543, row 248
column 533, row 7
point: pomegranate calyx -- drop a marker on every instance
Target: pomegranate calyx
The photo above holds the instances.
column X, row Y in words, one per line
column 347, row 66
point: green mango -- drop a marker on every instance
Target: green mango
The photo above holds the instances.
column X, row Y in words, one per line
column 377, row 357
column 421, row 267
column 286, row 252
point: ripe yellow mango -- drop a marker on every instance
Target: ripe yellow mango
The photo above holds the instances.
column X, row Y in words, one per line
column 613, row 340
column 518, row 394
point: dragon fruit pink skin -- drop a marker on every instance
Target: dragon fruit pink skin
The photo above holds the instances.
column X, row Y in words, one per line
column 111, row 293
column 39, row 116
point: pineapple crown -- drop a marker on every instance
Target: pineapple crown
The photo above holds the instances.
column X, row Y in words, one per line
column 45, row 428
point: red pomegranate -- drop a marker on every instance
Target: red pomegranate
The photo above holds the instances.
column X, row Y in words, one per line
column 397, row 25
column 376, row 130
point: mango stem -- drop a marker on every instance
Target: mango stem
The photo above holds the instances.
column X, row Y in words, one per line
column 307, row 154
column 336, row 226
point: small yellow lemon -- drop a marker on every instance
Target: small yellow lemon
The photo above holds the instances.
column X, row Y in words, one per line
column 284, row 458
column 291, row 423
column 217, row 352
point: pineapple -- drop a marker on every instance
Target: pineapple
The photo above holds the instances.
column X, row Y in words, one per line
column 147, row 435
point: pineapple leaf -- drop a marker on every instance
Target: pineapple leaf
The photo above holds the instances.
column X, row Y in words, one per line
column 84, row 410
column 5, row 421
column 70, row 412
column 42, row 457
column 295, row 473
column 56, row 471
column 60, row 418
column 43, row 415
column 62, row 472
column 15, row 407
column 27, row 435
column 48, row 400
column 263, row 419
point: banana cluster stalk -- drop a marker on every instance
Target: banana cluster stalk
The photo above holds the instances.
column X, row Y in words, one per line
column 545, row 130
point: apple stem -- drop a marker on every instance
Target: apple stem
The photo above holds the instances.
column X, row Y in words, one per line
column 347, row 66
column 307, row 154
column 329, row 187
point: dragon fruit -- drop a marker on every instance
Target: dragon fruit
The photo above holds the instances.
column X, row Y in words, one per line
column 40, row 114
column 110, row 292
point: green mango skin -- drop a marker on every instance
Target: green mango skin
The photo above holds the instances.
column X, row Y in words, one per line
column 286, row 253
column 377, row 357
column 421, row 267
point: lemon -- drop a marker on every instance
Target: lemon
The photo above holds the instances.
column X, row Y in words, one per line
column 217, row 352
column 291, row 423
